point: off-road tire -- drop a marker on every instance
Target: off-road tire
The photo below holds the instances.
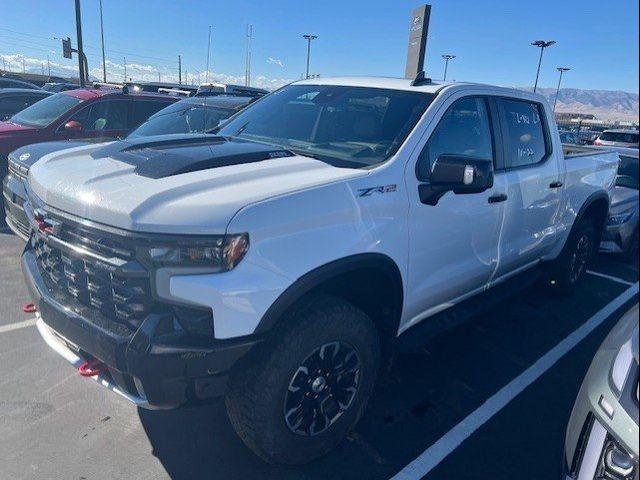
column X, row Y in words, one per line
column 257, row 389
column 566, row 272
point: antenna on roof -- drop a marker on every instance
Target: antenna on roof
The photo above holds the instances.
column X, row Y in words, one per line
column 421, row 79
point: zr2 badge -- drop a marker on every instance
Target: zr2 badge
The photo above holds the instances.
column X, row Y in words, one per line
column 367, row 192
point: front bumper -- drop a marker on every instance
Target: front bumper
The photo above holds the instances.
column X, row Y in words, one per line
column 601, row 418
column 14, row 195
column 147, row 366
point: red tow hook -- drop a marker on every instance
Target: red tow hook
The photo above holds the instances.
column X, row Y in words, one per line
column 29, row 308
column 92, row 368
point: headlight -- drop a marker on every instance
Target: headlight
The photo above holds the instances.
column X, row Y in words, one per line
column 621, row 366
column 620, row 218
column 221, row 253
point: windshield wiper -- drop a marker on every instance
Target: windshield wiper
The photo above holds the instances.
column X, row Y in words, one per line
column 304, row 153
column 241, row 129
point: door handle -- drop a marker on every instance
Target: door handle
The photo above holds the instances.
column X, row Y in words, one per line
column 555, row 184
column 497, row 198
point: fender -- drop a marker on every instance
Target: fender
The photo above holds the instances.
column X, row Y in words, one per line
column 319, row 276
column 591, row 199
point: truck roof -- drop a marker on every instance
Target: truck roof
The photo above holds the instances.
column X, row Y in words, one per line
column 434, row 86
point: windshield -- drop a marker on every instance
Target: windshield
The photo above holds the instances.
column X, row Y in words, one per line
column 192, row 119
column 343, row 126
column 45, row 111
column 622, row 137
column 627, row 172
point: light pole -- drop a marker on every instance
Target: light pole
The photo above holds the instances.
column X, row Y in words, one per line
column 309, row 38
column 247, row 70
column 446, row 64
column 208, row 51
column 561, row 70
column 542, row 44
column 104, row 61
column 81, row 63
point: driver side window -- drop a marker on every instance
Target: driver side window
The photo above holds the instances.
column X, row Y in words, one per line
column 103, row 116
column 464, row 130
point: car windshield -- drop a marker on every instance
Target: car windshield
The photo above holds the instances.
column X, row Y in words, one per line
column 622, row 137
column 344, row 126
column 627, row 172
column 191, row 119
column 42, row 113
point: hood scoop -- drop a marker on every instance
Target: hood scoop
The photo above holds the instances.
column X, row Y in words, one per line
column 164, row 156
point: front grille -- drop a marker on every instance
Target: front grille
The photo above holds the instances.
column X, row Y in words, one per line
column 18, row 170
column 22, row 228
column 93, row 283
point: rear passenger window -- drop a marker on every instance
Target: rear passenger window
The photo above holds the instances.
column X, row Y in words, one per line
column 525, row 135
column 464, row 129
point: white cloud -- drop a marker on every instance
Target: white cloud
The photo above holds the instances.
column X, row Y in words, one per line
column 136, row 71
column 275, row 61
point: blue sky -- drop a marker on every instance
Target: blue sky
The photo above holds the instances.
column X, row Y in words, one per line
column 491, row 38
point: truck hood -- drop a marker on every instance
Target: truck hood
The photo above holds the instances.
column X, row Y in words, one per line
column 30, row 154
column 183, row 184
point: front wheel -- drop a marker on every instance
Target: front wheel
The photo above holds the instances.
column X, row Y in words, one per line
column 568, row 269
column 297, row 397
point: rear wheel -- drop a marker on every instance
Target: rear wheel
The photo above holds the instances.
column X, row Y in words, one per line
column 568, row 269
column 296, row 399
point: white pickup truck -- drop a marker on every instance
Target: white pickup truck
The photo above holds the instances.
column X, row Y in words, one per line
column 277, row 261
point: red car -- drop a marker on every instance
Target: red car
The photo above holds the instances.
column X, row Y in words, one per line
column 78, row 114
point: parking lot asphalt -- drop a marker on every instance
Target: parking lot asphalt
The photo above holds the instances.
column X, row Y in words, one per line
column 55, row 424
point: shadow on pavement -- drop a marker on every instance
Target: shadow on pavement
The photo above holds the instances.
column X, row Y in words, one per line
column 433, row 385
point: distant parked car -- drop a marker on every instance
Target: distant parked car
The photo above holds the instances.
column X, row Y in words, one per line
column 621, row 232
column 192, row 115
column 567, row 136
column 14, row 83
column 155, row 87
column 602, row 436
column 98, row 114
column 14, row 100
column 56, row 87
column 207, row 89
column 618, row 138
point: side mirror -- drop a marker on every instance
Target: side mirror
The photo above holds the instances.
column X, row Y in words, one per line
column 73, row 126
column 458, row 173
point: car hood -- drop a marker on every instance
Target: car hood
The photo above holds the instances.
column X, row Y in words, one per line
column 8, row 128
column 30, row 154
column 623, row 198
column 173, row 183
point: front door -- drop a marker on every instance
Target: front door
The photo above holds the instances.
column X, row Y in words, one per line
column 453, row 246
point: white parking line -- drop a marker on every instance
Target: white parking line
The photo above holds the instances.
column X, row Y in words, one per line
column 435, row 454
column 609, row 277
column 18, row 325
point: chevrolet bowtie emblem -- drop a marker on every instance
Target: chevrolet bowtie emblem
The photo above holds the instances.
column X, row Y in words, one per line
column 45, row 225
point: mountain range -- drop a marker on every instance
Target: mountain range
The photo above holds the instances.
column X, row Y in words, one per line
column 604, row 104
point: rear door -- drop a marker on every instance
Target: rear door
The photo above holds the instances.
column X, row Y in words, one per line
column 533, row 185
